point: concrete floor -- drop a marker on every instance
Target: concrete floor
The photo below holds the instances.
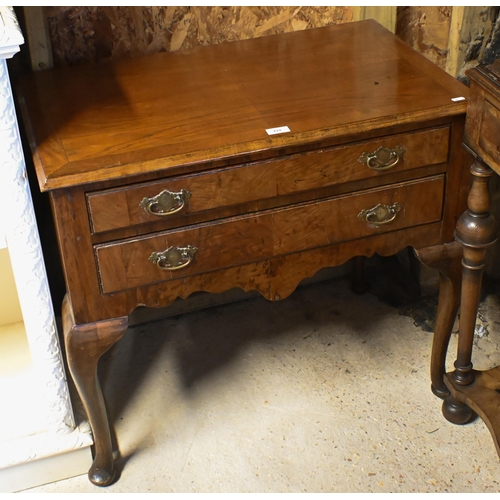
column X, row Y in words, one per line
column 326, row 391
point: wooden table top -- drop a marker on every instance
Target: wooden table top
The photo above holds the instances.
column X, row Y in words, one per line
column 167, row 111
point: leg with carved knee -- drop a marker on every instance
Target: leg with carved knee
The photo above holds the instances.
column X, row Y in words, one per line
column 85, row 344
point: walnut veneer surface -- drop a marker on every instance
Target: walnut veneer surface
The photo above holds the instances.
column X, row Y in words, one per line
column 251, row 210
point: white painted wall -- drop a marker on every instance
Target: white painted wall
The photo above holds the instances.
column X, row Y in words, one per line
column 40, row 441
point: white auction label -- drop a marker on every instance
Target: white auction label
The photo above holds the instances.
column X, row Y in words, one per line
column 277, row 130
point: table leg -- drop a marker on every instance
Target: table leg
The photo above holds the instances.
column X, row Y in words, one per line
column 476, row 231
column 85, row 344
column 446, row 259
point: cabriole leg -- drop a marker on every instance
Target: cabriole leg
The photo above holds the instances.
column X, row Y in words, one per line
column 446, row 259
column 85, row 344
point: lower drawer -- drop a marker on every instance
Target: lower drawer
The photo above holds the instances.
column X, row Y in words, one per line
column 210, row 246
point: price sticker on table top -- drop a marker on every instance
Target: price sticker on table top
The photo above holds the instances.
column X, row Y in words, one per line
column 277, row 130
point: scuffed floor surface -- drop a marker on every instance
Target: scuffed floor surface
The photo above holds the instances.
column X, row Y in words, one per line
column 326, row 391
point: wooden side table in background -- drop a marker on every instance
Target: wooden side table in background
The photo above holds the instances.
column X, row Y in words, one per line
column 471, row 391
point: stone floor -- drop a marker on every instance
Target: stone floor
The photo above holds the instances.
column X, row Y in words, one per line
column 326, row 391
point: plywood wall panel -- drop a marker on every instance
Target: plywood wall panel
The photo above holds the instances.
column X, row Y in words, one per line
column 92, row 34
column 427, row 30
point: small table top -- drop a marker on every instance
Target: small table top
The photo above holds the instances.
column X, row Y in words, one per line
column 167, row 111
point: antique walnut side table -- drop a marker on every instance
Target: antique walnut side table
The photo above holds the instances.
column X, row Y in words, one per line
column 250, row 164
column 473, row 392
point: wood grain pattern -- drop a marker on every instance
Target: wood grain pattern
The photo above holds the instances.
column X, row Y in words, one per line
column 277, row 278
column 152, row 124
column 333, row 221
column 117, row 208
column 124, row 265
column 331, row 170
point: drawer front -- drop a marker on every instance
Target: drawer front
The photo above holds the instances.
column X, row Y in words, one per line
column 239, row 240
column 124, row 207
column 489, row 134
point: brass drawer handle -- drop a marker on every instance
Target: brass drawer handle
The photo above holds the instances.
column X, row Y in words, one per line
column 380, row 215
column 173, row 258
column 383, row 158
column 166, row 202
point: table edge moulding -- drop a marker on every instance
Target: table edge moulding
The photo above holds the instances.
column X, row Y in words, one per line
column 250, row 164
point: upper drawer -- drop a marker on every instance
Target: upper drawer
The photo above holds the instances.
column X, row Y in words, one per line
column 128, row 206
column 235, row 241
column 489, row 134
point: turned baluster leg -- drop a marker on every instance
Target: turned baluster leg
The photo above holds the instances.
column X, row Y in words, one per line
column 85, row 344
column 446, row 259
column 476, row 231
